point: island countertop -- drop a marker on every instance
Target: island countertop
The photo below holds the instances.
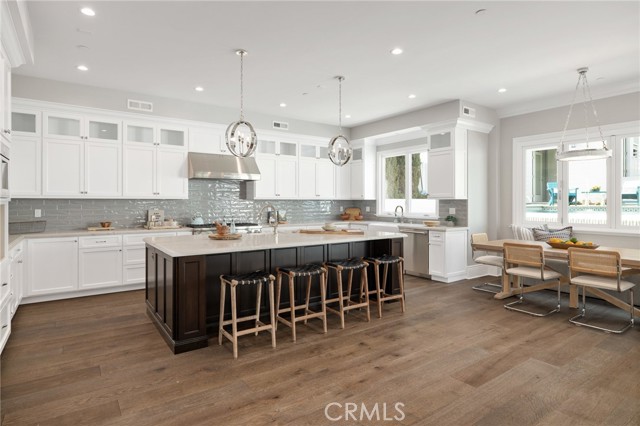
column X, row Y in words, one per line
column 198, row 245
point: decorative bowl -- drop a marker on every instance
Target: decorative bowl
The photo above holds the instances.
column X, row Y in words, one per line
column 431, row 222
column 566, row 246
column 105, row 224
column 329, row 228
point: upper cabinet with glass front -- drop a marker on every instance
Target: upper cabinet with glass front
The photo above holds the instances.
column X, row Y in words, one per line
column 81, row 127
column 447, row 164
column 25, row 122
column 150, row 134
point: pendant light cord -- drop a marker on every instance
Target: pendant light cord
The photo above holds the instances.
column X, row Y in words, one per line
column 340, row 103
column 595, row 113
column 242, row 53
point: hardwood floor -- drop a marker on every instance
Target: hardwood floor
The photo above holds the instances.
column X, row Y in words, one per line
column 457, row 357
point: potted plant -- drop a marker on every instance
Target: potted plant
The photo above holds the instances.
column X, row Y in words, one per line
column 451, row 220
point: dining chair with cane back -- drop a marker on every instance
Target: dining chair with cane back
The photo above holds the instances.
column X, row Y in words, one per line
column 527, row 261
column 483, row 258
column 598, row 269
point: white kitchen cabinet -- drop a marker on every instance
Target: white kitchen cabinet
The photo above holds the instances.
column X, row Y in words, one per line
column 447, row 159
column 278, row 164
column 100, row 262
column 25, row 122
column 70, row 126
column 16, row 276
column 76, row 168
column 155, row 161
column 5, row 284
column 5, row 325
column 363, row 172
column 5, row 96
column 448, row 255
column 209, row 140
column 25, row 173
column 52, row 265
column 343, row 182
column 316, row 174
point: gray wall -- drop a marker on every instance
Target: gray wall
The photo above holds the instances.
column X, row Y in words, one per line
column 616, row 109
column 96, row 97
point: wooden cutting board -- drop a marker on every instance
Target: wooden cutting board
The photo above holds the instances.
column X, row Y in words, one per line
column 339, row 232
column 100, row 228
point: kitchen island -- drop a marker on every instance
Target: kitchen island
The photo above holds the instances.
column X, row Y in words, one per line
column 183, row 274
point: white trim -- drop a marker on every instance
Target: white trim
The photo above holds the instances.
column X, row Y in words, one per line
column 478, row 270
column 611, row 129
column 81, row 293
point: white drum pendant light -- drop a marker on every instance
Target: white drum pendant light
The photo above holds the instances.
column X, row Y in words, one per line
column 241, row 138
column 584, row 153
column 340, row 150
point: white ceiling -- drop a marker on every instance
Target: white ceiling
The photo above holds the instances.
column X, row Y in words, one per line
column 166, row 48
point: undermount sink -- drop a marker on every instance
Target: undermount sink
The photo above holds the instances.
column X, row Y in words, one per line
column 384, row 227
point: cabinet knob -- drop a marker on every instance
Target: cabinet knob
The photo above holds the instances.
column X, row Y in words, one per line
column 19, row 261
column 7, row 131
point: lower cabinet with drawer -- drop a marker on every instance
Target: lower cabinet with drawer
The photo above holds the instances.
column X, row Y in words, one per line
column 52, row 265
column 448, row 255
column 100, row 262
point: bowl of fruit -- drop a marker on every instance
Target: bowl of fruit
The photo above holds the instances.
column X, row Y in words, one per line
column 560, row 243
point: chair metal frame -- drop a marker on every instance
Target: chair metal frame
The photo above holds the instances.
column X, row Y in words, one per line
column 487, row 287
column 598, row 269
column 536, row 260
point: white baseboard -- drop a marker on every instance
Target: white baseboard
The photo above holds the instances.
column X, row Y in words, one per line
column 83, row 293
column 478, row 270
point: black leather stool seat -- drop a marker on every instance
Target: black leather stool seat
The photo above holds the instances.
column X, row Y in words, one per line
column 385, row 258
column 355, row 263
column 250, row 278
column 307, row 270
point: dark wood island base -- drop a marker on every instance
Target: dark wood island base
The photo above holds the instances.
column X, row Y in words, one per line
column 183, row 293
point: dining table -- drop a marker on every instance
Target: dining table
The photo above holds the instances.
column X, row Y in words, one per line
column 630, row 258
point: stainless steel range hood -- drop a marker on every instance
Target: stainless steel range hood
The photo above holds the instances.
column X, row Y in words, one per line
column 217, row 166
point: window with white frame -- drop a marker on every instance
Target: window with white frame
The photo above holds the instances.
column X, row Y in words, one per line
column 403, row 182
column 588, row 194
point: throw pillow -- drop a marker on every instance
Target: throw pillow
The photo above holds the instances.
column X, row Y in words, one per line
column 524, row 233
column 563, row 233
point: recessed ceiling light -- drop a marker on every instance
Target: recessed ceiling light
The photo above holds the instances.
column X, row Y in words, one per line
column 82, row 68
column 396, row 51
column 412, row 96
column 282, row 105
column 199, row 89
column 347, row 116
column 502, row 90
column 88, row 11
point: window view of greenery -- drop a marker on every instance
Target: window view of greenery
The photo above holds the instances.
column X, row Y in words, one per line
column 411, row 195
column 587, row 194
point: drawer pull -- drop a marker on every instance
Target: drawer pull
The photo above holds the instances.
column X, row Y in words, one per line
column 4, row 326
column 5, row 284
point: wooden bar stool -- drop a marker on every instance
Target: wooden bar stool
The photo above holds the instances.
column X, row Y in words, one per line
column 381, row 295
column 254, row 278
column 344, row 301
column 308, row 271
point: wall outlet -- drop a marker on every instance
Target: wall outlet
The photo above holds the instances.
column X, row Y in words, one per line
column 37, row 213
column 367, row 209
column 341, row 208
column 452, row 210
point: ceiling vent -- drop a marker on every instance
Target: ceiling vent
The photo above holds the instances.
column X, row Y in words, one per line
column 139, row 105
column 469, row 112
column 280, row 125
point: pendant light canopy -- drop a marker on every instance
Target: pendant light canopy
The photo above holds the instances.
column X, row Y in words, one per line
column 240, row 136
column 584, row 153
column 340, row 150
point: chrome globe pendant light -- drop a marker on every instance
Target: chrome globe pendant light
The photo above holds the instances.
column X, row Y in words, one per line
column 240, row 136
column 340, row 150
column 584, row 153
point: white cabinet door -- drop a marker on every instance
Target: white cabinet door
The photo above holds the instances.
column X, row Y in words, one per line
column 98, row 129
column 307, row 179
column 172, row 137
column 266, row 186
column 286, row 173
column 140, row 133
column 441, row 174
column 139, row 167
column 343, row 182
column 16, row 279
column 171, row 181
column 26, row 167
column 357, row 184
column 436, row 253
column 207, row 140
column 100, row 268
column 5, row 97
column 52, row 265
column 63, row 168
column 63, row 126
column 103, row 169
column 325, row 179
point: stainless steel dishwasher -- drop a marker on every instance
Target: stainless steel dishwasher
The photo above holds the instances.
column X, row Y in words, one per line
column 416, row 252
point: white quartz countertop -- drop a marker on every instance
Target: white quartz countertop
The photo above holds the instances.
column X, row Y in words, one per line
column 16, row 238
column 198, row 245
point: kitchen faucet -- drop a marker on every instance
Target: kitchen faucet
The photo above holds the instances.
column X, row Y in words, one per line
column 271, row 220
column 395, row 213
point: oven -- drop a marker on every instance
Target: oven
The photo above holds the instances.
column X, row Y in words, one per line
column 4, row 172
